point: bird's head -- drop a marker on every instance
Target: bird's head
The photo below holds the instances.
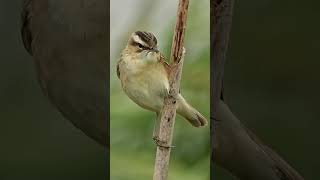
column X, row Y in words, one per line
column 143, row 44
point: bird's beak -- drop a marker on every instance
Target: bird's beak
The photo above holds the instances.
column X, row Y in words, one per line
column 155, row 50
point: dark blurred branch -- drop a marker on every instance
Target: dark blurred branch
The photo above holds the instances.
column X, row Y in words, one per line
column 168, row 112
column 235, row 148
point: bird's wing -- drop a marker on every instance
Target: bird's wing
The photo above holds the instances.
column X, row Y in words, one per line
column 165, row 64
column 118, row 68
column 26, row 17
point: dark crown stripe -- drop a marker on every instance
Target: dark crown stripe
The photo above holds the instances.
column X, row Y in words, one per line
column 147, row 37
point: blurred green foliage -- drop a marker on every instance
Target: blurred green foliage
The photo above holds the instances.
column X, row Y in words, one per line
column 132, row 147
column 271, row 83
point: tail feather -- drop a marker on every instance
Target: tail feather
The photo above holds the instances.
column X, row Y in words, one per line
column 190, row 113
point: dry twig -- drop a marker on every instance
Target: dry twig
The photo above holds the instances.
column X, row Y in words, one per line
column 168, row 112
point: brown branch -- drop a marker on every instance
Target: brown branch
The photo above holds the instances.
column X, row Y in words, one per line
column 235, row 148
column 168, row 112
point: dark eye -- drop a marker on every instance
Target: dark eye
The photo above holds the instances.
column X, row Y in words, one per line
column 140, row 46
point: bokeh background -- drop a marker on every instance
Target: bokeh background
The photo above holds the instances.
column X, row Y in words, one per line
column 36, row 141
column 132, row 148
column 271, row 83
column 272, row 78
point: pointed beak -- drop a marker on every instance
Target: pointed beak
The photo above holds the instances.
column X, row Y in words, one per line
column 155, row 50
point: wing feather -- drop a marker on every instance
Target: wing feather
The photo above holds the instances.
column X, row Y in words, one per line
column 118, row 70
column 165, row 64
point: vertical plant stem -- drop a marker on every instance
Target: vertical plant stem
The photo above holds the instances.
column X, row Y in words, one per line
column 168, row 112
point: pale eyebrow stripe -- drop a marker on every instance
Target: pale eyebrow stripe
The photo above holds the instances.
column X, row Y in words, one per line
column 137, row 39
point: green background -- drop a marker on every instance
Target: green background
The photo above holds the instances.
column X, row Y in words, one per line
column 271, row 83
column 132, row 149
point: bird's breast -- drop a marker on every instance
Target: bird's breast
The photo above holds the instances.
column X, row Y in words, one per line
column 145, row 84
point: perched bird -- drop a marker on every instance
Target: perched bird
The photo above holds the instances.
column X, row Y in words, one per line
column 144, row 75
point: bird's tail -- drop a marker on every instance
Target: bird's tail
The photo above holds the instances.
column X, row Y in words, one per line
column 190, row 113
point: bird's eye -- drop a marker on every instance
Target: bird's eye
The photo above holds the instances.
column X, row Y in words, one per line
column 140, row 46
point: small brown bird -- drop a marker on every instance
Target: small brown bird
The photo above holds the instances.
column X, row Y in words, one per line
column 144, row 77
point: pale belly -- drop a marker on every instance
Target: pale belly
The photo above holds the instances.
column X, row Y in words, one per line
column 147, row 88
